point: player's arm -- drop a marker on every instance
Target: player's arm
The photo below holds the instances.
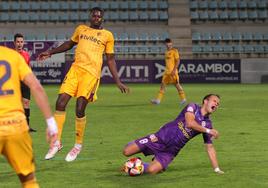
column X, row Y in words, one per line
column 112, row 67
column 42, row 101
column 177, row 62
column 213, row 158
column 62, row 48
column 192, row 124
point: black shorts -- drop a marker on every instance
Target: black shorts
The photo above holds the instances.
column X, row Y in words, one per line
column 25, row 91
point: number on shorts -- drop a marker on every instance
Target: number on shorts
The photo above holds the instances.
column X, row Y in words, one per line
column 143, row 141
column 5, row 78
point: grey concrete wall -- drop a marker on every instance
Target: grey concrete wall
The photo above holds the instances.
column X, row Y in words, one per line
column 254, row 70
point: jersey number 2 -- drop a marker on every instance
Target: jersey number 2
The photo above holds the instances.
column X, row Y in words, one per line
column 5, row 77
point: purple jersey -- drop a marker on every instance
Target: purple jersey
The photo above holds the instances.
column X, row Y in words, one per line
column 171, row 138
column 175, row 134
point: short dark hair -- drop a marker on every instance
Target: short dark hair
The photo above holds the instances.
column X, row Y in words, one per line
column 167, row 40
column 208, row 96
column 18, row 35
column 97, row 9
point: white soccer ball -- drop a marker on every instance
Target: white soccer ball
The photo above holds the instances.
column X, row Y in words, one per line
column 134, row 166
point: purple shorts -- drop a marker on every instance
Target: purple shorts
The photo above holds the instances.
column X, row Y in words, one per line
column 150, row 145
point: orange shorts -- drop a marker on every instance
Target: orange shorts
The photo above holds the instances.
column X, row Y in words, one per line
column 17, row 149
column 169, row 79
column 79, row 82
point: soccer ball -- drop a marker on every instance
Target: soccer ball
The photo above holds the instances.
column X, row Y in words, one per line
column 134, row 166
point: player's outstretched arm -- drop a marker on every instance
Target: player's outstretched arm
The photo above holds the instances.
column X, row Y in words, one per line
column 42, row 101
column 112, row 66
column 62, row 48
column 213, row 158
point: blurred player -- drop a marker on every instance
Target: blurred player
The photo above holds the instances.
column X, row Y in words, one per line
column 166, row 143
column 15, row 141
column 171, row 76
column 82, row 80
column 26, row 94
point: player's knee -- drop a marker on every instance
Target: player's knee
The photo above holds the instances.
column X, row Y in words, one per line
column 126, row 152
column 152, row 170
column 60, row 105
column 80, row 113
column 26, row 178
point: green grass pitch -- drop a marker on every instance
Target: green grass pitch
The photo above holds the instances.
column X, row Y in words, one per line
column 115, row 119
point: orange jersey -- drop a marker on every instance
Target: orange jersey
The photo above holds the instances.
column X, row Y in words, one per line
column 13, row 69
column 91, row 44
column 171, row 58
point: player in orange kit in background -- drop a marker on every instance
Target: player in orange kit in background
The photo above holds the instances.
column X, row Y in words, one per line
column 171, row 75
column 25, row 90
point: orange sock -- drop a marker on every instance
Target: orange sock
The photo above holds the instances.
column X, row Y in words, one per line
column 80, row 125
column 30, row 184
column 160, row 95
column 60, row 119
column 182, row 95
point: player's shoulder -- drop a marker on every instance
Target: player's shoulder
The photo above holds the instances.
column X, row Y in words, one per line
column 106, row 31
column 82, row 27
column 175, row 50
column 7, row 51
column 192, row 107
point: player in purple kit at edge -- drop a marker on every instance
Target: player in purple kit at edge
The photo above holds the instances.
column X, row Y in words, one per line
column 166, row 143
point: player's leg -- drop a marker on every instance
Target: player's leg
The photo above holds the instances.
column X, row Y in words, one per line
column 160, row 94
column 60, row 113
column 18, row 151
column 80, row 125
column 86, row 92
column 181, row 93
column 26, row 96
column 28, row 181
column 153, row 167
column 59, row 116
column 131, row 149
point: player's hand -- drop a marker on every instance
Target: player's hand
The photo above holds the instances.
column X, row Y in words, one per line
column 52, row 131
column 44, row 55
column 123, row 88
column 51, row 138
column 218, row 171
column 214, row 133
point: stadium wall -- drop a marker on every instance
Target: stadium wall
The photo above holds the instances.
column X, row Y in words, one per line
column 53, row 70
column 254, row 70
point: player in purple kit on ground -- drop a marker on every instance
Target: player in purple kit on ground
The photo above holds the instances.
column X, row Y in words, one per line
column 166, row 143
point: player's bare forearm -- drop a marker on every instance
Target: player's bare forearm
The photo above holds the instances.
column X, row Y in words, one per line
column 62, row 48
column 192, row 124
column 112, row 67
column 213, row 158
column 212, row 155
column 38, row 94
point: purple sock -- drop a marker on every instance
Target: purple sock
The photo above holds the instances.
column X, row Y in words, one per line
column 145, row 165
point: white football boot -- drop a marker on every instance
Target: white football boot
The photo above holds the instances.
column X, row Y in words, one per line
column 183, row 102
column 71, row 156
column 155, row 101
column 52, row 151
